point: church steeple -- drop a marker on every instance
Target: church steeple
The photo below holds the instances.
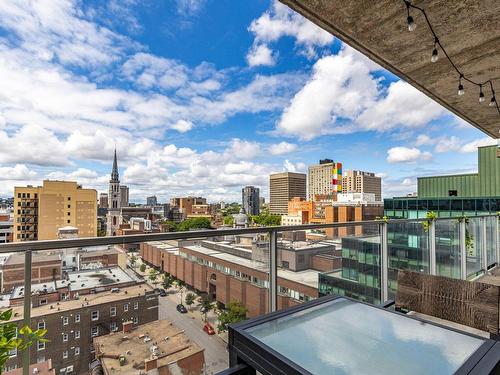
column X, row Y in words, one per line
column 114, row 172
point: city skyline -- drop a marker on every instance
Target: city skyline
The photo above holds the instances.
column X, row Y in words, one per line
column 199, row 105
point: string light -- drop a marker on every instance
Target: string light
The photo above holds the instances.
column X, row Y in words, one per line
column 460, row 86
column 435, row 56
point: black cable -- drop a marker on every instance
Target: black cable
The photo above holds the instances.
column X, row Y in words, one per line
column 437, row 41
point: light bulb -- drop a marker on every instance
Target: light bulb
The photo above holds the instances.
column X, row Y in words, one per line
column 434, row 56
column 460, row 90
column 492, row 102
column 411, row 24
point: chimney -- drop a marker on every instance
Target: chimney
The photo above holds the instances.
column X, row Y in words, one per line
column 150, row 364
column 127, row 326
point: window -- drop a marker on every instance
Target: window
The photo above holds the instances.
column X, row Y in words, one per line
column 65, row 337
column 94, row 332
column 40, row 345
column 135, row 320
column 94, row 315
column 125, row 307
column 65, row 354
column 69, row 206
column 13, row 352
column 69, row 369
column 136, row 305
column 11, row 367
column 69, row 198
column 112, row 326
column 65, row 320
column 112, row 311
column 41, row 325
column 77, row 334
column 40, row 359
column 43, row 301
column 77, row 350
column 69, row 221
column 69, row 213
column 77, row 318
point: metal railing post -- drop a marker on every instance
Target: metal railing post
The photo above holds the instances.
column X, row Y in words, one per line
column 463, row 250
column 497, row 236
column 273, row 271
column 432, row 247
column 384, row 264
column 27, row 307
column 484, row 244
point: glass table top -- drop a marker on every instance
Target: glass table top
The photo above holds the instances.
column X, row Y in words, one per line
column 346, row 337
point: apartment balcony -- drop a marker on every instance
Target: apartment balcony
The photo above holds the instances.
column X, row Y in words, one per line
column 323, row 283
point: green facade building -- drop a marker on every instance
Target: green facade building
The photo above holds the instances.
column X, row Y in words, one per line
column 485, row 183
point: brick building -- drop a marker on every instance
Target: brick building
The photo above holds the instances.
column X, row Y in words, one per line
column 146, row 349
column 227, row 272
column 73, row 324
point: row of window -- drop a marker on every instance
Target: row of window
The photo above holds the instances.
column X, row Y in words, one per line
column 26, row 195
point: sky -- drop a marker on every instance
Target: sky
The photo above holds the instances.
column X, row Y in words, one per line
column 203, row 97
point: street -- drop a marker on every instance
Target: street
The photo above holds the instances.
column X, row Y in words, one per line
column 216, row 356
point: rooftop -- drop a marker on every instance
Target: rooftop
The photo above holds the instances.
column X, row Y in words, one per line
column 100, row 277
column 160, row 338
column 86, row 300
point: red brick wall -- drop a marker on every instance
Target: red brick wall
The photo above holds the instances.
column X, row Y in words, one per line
column 325, row 264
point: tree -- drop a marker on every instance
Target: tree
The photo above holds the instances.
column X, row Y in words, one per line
column 180, row 286
column 153, row 276
column 266, row 219
column 229, row 220
column 143, row 267
column 205, row 307
column 190, row 298
column 169, row 226
column 167, row 282
column 194, row 223
column 9, row 339
column 133, row 261
column 235, row 312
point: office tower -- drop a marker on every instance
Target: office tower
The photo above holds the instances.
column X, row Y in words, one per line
column 103, row 200
column 40, row 211
column 282, row 188
column 114, row 200
column 151, row 201
column 362, row 182
column 124, row 196
column 250, row 200
column 325, row 179
column 185, row 204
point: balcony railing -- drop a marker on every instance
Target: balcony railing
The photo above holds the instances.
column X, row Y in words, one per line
column 458, row 248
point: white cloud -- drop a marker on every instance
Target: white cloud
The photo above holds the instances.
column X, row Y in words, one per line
column 406, row 155
column 261, row 54
column 17, row 172
column 280, row 21
column 289, row 166
column 182, row 126
column 424, row 139
column 282, row 148
column 190, row 7
column 472, row 146
column 240, row 149
column 445, row 144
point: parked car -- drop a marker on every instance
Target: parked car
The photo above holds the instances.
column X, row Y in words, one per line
column 209, row 329
column 181, row 308
column 163, row 293
column 157, row 290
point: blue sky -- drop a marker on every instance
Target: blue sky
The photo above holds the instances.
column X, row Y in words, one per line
column 203, row 97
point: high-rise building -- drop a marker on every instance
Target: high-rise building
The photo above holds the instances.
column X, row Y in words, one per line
column 185, row 204
column 114, row 200
column 151, row 201
column 6, row 228
column 325, row 179
column 39, row 211
column 362, row 182
column 282, row 188
column 250, row 200
column 124, row 196
column 103, row 200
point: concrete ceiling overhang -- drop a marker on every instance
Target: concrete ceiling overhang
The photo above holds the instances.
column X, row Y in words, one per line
column 468, row 30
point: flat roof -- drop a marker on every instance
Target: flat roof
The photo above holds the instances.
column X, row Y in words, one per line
column 161, row 337
column 87, row 300
column 96, row 278
column 15, row 259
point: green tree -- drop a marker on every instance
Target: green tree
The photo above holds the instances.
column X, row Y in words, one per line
column 205, row 307
column 167, row 282
column 9, row 339
column 266, row 219
column 169, row 226
column 142, row 267
column 235, row 312
column 133, row 261
column 229, row 220
column 153, row 276
column 190, row 299
column 180, row 286
column 194, row 223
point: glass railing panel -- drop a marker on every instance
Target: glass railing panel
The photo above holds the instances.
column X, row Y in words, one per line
column 354, row 267
column 408, row 249
column 473, row 244
column 491, row 239
column 448, row 257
